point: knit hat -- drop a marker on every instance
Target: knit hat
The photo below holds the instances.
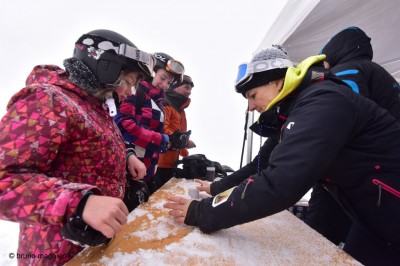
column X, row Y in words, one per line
column 186, row 80
column 268, row 65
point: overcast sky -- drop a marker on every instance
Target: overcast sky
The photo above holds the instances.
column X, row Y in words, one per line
column 210, row 37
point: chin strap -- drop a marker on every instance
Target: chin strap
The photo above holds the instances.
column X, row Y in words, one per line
column 110, row 105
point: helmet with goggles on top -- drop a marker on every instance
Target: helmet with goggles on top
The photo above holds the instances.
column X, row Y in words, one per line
column 268, row 65
column 99, row 60
column 107, row 53
column 166, row 62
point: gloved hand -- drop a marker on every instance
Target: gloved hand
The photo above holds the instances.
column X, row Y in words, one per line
column 179, row 139
column 164, row 143
column 136, row 192
column 79, row 232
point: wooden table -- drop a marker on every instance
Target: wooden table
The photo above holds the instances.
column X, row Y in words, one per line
column 152, row 238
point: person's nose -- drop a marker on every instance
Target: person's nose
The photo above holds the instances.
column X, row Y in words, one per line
column 252, row 106
column 128, row 92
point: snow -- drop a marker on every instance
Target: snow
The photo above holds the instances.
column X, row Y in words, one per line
column 9, row 232
column 158, row 228
column 151, row 237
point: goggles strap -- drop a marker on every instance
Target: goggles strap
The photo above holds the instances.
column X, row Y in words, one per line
column 136, row 54
column 246, row 71
column 265, row 65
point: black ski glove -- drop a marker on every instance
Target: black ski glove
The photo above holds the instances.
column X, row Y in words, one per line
column 79, row 232
column 179, row 140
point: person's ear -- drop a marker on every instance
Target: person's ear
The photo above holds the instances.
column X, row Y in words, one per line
column 279, row 84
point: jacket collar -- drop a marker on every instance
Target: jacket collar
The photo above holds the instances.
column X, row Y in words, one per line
column 176, row 100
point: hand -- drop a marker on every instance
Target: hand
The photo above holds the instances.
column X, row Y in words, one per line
column 190, row 144
column 203, row 186
column 178, row 207
column 105, row 214
column 137, row 169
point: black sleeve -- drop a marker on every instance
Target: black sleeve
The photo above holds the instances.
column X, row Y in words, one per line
column 259, row 163
column 384, row 89
column 372, row 81
column 316, row 130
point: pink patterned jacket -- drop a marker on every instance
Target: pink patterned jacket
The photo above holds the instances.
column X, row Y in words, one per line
column 56, row 143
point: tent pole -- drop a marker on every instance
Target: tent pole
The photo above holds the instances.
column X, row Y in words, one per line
column 249, row 138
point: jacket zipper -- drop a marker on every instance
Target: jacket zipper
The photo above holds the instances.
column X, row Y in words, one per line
column 249, row 180
column 389, row 189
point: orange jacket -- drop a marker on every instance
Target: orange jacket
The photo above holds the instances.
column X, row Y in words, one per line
column 174, row 120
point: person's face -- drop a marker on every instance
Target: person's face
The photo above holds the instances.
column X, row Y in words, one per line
column 184, row 89
column 129, row 80
column 260, row 97
column 162, row 80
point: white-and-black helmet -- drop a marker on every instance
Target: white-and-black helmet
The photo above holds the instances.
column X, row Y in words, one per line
column 107, row 53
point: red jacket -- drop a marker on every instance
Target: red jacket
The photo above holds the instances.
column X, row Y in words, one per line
column 56, row 143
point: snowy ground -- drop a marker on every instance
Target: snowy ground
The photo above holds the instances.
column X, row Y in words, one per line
column 8, row 242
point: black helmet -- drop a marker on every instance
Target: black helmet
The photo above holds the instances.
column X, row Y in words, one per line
column 107, row 53
column 171, row 65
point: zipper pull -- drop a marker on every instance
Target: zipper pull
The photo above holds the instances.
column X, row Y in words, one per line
column 378, row 204
column 249, row 180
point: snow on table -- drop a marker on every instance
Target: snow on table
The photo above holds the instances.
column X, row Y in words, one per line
column 151, row 237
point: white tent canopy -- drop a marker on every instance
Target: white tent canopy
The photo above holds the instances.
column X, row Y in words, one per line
column 305, row 26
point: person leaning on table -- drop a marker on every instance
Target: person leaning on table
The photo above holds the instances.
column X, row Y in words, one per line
column 328, row 134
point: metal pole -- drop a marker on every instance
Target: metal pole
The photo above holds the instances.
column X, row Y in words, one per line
column 244, row 137
column 249, row 154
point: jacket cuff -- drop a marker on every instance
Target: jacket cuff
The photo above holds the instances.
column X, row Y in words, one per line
column 214, row 188
column 191, row 218
column 82, row 203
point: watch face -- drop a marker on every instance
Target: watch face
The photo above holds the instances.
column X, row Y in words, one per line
column 222, row 197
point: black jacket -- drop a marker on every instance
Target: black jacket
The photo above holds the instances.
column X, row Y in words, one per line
column 350, row 55
column 372, row 81
column 334, row 136
column 259, row 163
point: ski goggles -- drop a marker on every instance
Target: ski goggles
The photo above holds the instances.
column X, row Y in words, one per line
column 175, row 67
column 246, row 71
